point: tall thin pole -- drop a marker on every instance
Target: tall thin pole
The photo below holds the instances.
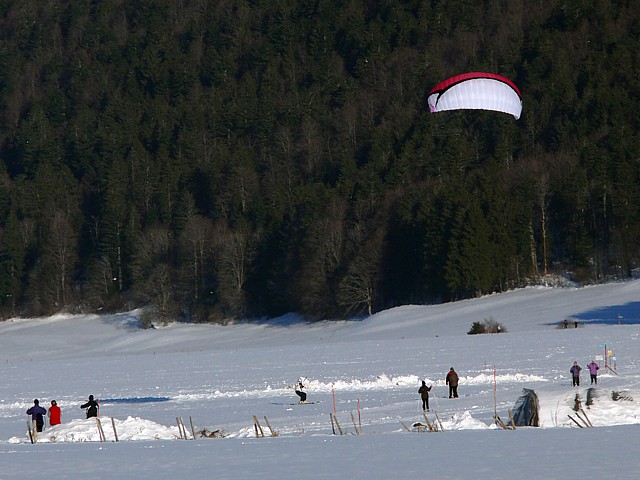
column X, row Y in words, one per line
column 495, row 387
column 333, row 395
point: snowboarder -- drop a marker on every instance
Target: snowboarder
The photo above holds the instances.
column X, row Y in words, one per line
column 452, row 381
column 55, row 414
column 37, row 414
column 299, row 389
column 575, row 374
column 424, row 395
column 593, row 371
column 92, row 407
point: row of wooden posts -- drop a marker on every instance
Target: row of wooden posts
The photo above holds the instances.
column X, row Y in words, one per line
column 429, row 426
column 581, row 419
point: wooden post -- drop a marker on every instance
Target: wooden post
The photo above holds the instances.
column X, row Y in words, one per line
column 431, row 429
column 513, row 422
column 179, row 428
column 405, row 427
column 113, row 424
column 359, row 418
column 575, row 421
column 258, row 427
column 335, row 419
column 100, row 431
column 585, row 416
column 439, row 422
column 193, row 430
column 333, row 428
column 273, row 433
column 29, row 430
column 354, row 423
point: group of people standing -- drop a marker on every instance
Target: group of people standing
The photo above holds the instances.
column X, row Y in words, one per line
column 576, row 369
column 451, row 380
column 38, row 412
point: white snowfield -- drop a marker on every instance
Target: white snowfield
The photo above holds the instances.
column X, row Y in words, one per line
column 369, row 371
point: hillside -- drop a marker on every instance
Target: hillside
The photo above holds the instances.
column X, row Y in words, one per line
column 220, row 376
column 216, row 161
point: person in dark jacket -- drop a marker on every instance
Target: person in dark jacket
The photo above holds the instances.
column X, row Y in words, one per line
column 575, row 374
column 300, row 391
column 92, row 407
column 37, row 414
column 452, row 381
column 424, row 395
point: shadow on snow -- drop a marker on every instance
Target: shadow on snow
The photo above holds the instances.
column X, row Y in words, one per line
column 135, row 400
column 626, row 314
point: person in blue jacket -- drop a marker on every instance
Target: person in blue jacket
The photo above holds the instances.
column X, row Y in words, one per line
column 37, row 414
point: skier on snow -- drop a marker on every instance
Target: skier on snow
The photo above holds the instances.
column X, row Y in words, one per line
column 299, row 389
column 424, row 395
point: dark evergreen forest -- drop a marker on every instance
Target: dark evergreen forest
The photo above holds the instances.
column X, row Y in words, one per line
column 216, row 160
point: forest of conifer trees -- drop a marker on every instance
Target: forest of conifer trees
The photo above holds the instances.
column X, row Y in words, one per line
column 220, row 160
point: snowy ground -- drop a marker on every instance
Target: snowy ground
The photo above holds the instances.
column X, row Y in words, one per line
column 220, row 377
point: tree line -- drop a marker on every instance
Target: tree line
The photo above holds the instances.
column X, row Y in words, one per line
column 243, row 158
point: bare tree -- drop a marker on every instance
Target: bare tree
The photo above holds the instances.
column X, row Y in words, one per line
column 60, row 250
column 152, row 270
column 357, row 290
column 235, row 254
column 196, row 241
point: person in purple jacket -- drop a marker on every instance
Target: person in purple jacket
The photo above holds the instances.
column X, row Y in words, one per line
column 575, row 374
column 593, row 371
column 37, row 414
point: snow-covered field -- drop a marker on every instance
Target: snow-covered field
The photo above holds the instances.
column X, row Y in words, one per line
column 221, row 376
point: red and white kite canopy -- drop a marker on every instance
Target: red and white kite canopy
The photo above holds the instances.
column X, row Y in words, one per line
column 476, row 91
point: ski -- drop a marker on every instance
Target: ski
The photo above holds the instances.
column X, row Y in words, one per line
column 29, row 430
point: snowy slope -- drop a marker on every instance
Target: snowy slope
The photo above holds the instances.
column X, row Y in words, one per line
column 221, row 376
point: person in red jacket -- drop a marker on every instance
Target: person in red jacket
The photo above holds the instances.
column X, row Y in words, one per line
column 55, row 414
column 452, row 381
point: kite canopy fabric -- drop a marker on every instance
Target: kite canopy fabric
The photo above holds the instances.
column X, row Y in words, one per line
column 476, row 91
